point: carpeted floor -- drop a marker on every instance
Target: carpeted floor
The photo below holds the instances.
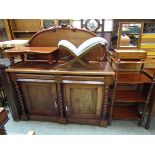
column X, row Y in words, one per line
column 49, row 128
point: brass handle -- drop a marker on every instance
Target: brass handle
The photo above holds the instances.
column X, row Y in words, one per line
column 66, row 108
column 55, row 103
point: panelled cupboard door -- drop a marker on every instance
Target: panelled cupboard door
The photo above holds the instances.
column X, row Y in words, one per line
column 40, row 98
column 83, row 103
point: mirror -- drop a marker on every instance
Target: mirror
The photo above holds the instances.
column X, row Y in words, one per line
column 92, row 24
column 129, row 35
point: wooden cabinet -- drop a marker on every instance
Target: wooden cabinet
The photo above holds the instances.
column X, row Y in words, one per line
column 83, row 101
column 58, row 98
column 72, row 93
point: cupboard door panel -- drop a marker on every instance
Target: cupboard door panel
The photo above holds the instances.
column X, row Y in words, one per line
column 83, row 101
column 41, row 98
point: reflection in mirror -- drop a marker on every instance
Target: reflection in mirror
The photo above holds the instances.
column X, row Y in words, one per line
column 129, row 35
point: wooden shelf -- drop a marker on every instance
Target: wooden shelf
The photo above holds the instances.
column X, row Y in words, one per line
column 125, row 113
column 133, row 78
column 128, row 96
column 24, row 28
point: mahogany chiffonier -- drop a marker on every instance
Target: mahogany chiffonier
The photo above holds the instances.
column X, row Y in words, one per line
column 44, row 86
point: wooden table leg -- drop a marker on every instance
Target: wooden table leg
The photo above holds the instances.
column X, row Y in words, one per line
column 11, row 58
column 151, row 112
column 22, row 56
column 50, row 58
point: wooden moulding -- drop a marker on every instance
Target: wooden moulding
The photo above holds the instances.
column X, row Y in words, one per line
column 130, row 54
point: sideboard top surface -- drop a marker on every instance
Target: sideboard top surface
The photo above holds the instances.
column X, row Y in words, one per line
column 44, row 68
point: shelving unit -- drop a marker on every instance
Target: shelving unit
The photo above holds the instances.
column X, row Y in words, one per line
column 127, row 89
column 24, row 28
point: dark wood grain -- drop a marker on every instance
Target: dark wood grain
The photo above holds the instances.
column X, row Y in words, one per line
column 125, row 113
column 133, row 77
column 127, row 96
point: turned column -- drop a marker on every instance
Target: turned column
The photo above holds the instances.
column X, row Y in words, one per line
column 104, row 119
column 60, row 100
column 21, row 102
column 105, row 105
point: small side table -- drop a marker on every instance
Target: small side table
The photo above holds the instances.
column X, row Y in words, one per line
column 22, row 51
column 3, row 119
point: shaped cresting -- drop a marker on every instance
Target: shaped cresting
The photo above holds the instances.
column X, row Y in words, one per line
column 79, row 39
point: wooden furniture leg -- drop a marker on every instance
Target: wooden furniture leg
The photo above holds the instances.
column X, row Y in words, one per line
column 11, row 58
column 3, row 131
column 104, row 121
column 147, row 101
column 21, row 102
column 151, row 111
column 3, row 119
column 147, row 125
column 50, row 58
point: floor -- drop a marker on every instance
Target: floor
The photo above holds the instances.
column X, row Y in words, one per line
column 49, row 128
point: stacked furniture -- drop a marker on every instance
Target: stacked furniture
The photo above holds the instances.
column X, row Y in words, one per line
column 56, row 92
column 128, row 92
